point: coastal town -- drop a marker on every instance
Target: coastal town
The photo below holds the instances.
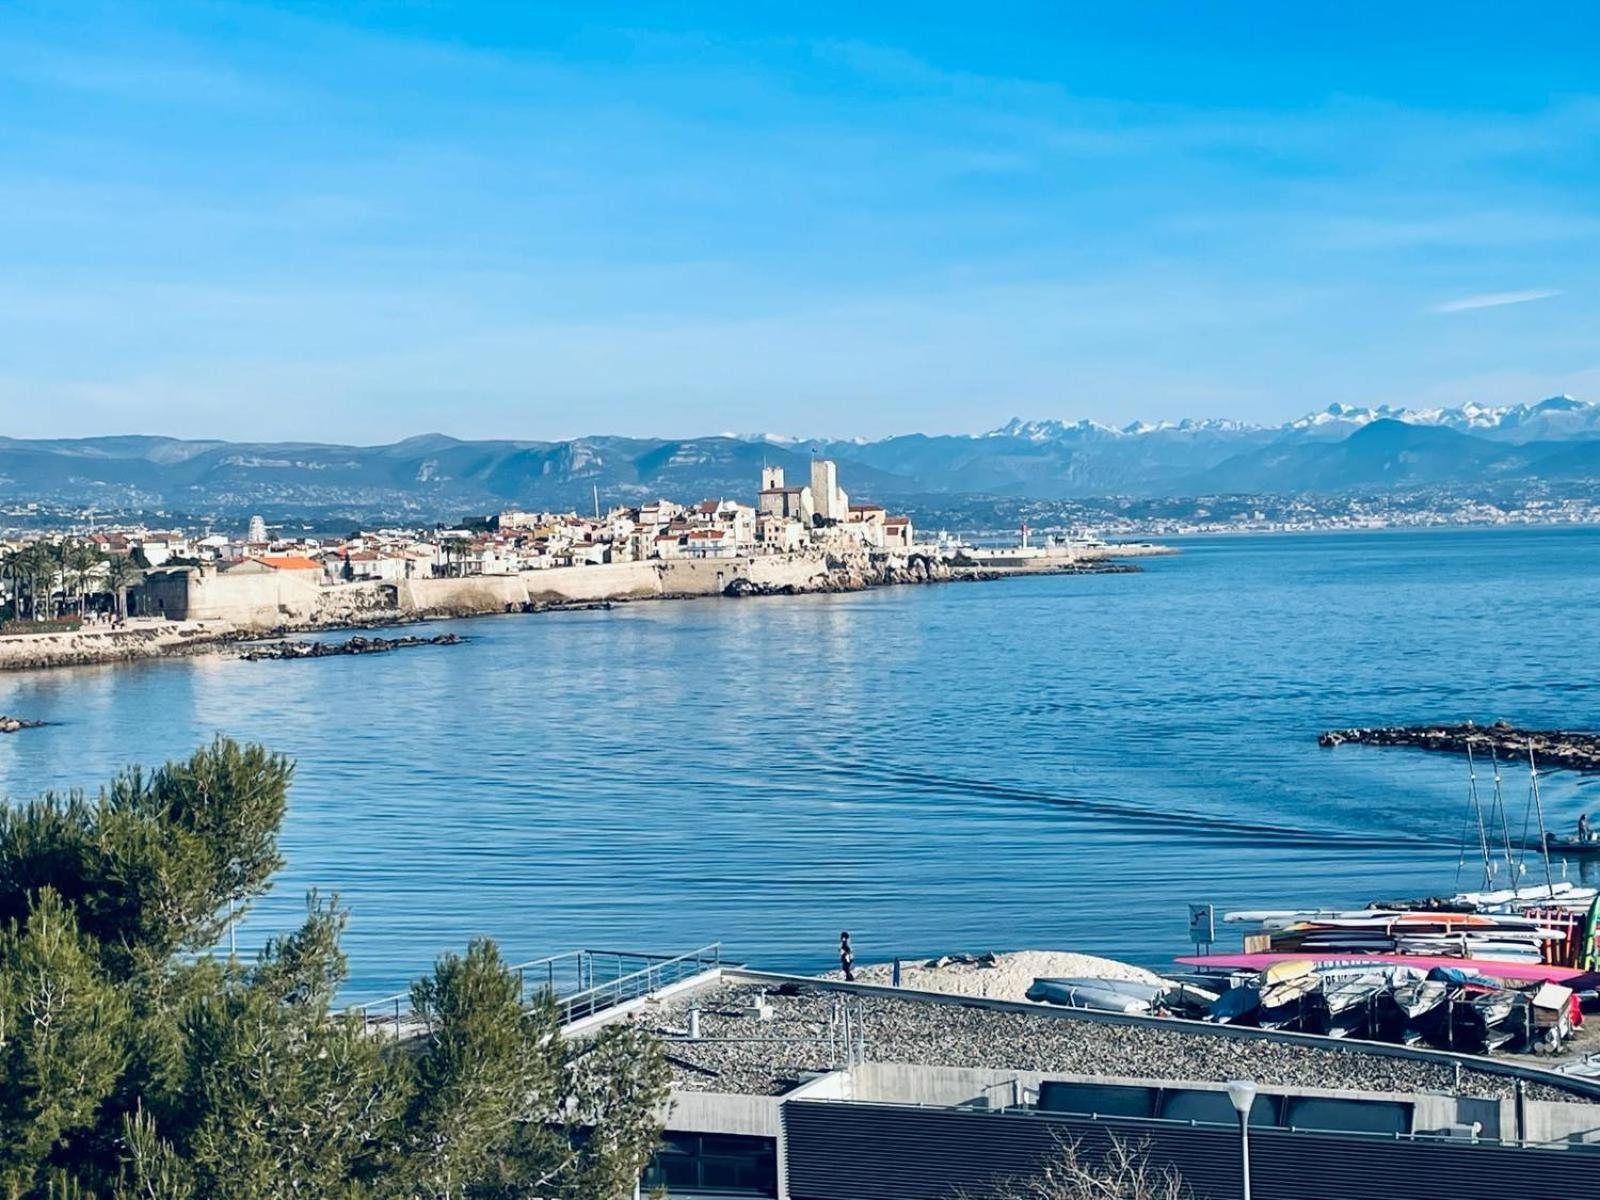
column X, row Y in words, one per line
column 816, row 514
column 180, row 588
column 487, row 711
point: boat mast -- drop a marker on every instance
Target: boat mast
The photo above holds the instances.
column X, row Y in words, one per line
column 1505, row 820
column 1477, row 809
column 1538, row 804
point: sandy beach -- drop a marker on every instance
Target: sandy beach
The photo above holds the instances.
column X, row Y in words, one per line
column 1008, row 979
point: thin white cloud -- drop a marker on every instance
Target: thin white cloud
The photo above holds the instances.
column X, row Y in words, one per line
column 1494, row 300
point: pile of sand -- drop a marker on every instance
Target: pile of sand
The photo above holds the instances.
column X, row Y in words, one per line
column 1008, row 979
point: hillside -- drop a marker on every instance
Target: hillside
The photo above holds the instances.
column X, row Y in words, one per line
column 1335, row 451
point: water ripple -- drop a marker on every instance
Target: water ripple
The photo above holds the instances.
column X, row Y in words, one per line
column 1062, row 761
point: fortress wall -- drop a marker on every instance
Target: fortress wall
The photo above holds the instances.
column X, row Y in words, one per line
column 251, row 601
column 709, row 576
column 607, row 581
column 473, row 594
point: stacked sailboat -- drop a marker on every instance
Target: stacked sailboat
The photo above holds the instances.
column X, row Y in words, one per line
column 1498, row 936
column 1475, row 970
column 1449, row 1007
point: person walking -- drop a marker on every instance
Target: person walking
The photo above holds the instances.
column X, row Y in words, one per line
column 847, row 957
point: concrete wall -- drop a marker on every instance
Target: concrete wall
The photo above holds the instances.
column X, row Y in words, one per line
column 723, row 1112
column 1559, row 1121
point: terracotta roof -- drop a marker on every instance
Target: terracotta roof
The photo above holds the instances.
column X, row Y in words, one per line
column 289, row 562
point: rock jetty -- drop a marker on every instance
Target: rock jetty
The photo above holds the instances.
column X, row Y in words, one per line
column 12, row 724
column 276, row 651
column 1551, row 747
column 856, row 574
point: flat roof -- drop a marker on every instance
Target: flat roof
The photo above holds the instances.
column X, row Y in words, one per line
column 739, row 1054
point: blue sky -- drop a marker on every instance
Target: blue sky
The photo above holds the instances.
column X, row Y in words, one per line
column 362, row 221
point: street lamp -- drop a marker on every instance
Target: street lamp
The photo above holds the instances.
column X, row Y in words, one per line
column 1242, row 1095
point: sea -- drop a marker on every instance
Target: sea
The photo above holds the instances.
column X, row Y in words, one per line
column 1062, row 762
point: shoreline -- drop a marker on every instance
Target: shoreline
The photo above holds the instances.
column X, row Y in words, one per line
column 156, row 639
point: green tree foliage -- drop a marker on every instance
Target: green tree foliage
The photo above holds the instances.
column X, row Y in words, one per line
column 136, row 1065
column 151, row 865
column 502, row 1109
column 63, row 1039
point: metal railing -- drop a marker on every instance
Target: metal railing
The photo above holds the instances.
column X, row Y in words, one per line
column 655, row 973
column 581, row 982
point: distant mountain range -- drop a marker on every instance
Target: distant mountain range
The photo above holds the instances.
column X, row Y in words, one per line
column 1340, row 449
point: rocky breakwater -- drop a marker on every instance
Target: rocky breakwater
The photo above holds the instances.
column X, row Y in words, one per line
column 1550, row 747
column 855, row 573
column 13, row 724
column 286, row 650
column 139, row 638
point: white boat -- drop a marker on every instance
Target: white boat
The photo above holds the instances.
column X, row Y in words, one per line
column 1100, row 995
column 1559, row 893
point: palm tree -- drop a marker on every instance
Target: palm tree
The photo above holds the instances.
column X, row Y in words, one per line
column 122, row 576
column 28, row 567
column 79, row 560
column 11, row 562
column 46, row 568
column 458, row 548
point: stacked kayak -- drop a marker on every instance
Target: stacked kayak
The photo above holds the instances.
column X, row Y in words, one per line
column 1563, row 895
column 1536, row 972
column 1500, row 937
column 1477, row 971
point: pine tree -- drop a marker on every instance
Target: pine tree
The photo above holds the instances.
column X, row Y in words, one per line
column 63, row 1044
column 135, row 1064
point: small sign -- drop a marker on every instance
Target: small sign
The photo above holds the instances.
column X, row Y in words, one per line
column 1202, row 924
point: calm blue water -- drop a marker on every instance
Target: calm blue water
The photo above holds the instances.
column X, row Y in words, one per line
column 1060, row 762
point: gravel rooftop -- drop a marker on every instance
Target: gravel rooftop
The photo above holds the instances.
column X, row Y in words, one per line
column 913, row 1031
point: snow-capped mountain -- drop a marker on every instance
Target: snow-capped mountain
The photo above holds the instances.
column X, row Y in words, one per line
column 1051, row 431
column 1552, row 441
column 1556, row 418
